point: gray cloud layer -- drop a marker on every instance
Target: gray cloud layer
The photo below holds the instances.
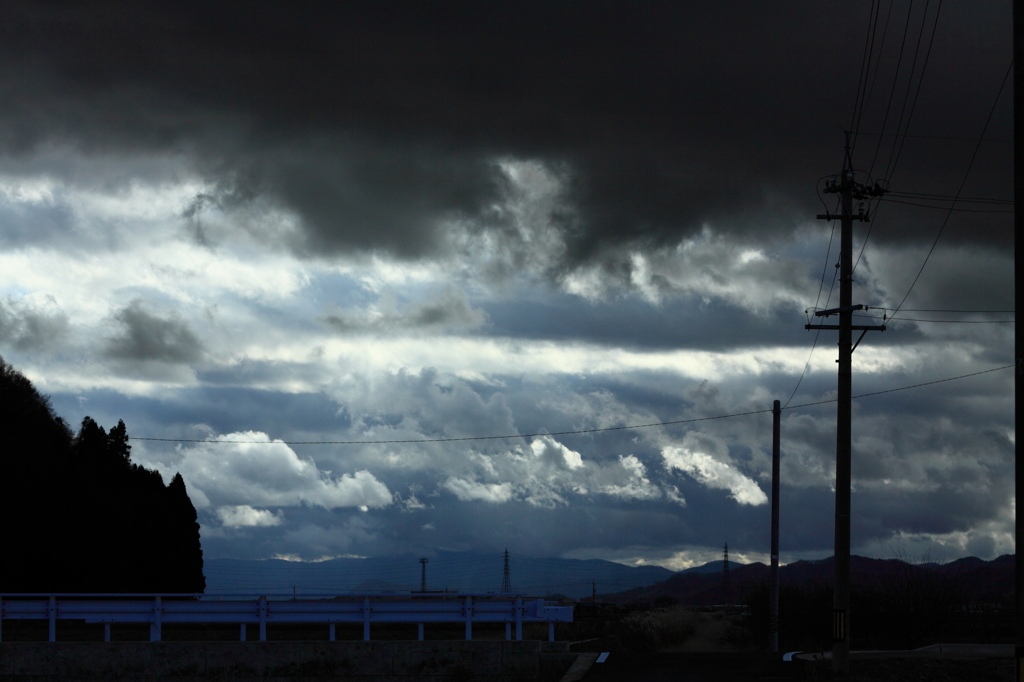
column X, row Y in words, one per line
column 144, row 336
column 279, row 218
column 380, row 122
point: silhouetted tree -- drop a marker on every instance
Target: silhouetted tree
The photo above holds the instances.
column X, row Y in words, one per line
column 186, row 528
column 78, row 515
column 117, row 443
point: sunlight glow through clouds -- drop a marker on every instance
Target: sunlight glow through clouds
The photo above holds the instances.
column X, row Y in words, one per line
column 305, row 266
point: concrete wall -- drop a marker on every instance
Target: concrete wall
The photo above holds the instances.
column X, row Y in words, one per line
column 433, row 661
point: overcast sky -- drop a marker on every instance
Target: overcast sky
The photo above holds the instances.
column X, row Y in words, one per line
column 374, row 221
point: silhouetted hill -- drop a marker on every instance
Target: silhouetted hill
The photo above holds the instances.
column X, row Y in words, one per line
column 459, row 571
column 984, row 582
column 78, row 515
column 712, row 567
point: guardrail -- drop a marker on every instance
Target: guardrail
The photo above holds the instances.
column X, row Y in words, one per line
column 269, row 609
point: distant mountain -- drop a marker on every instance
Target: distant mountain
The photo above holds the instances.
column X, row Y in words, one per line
column 455, row 571
column 712, row 567
column 984, row 581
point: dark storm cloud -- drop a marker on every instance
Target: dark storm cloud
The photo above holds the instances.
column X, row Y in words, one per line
column 28, row 328
column 378, row 121
column 450, row 311
column 637, row 324
column 145, row 336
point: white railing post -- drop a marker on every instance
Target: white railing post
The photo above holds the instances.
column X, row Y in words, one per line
column 106, row 632
column 366, row 620
column 508, row 631
column 551, row 631
column 52, row 615
column 262, row 613
column 155, row 626
column 332, row 632
column 241, row 632
column 419, row 631
column 519, row 619
column 469, row 618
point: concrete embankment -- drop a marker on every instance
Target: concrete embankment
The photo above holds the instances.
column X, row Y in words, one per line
column 435, row 661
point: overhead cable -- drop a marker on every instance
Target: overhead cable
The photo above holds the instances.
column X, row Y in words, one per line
column 554, row 433
column 961, row 188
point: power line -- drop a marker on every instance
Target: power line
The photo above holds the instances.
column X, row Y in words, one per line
column 881, row 50
column 938, row 137
column 916, row 319
column 865, row 69
column 890, row 168
column 936, row 310
column 948, row 197
column 892, row 89
column 945, row 208
column 890, row 171
column 904, row 388
column 555, row 433
column 821, row 285
column 961, row 188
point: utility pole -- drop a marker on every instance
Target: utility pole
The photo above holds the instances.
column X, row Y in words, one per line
column 423, row 574
column 847, row 188
column 773, row 618
column 1018, row 252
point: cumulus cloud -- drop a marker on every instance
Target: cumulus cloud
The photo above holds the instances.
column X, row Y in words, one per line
column 550, row 451
column 242, row 515
column 468, row 491
column 268, row 473
column 636, row 485
column 546, row 473
column 703, row 458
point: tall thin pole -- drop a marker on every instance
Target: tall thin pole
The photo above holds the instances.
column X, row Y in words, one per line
column 1018, row 253
column 773, row 620
column 423, row 574
column 841, row 576
column 848, row 189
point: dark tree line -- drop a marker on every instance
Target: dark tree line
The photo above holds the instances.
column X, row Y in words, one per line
column 77, row 514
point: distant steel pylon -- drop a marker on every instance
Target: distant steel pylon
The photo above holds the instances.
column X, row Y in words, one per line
column 423, row 574
column 506, row 579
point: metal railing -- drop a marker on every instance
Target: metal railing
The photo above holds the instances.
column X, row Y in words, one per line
column 270, row 609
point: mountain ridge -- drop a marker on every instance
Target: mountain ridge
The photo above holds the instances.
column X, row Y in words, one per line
column 983, row 581
column 452, row 571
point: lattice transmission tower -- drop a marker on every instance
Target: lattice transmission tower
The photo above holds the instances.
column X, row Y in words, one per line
column 506, row 579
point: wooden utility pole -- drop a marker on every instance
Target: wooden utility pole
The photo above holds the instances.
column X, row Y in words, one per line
column 773, row 618
column 848, row 189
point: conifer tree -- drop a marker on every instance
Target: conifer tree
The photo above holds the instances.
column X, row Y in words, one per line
column 79, row 516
